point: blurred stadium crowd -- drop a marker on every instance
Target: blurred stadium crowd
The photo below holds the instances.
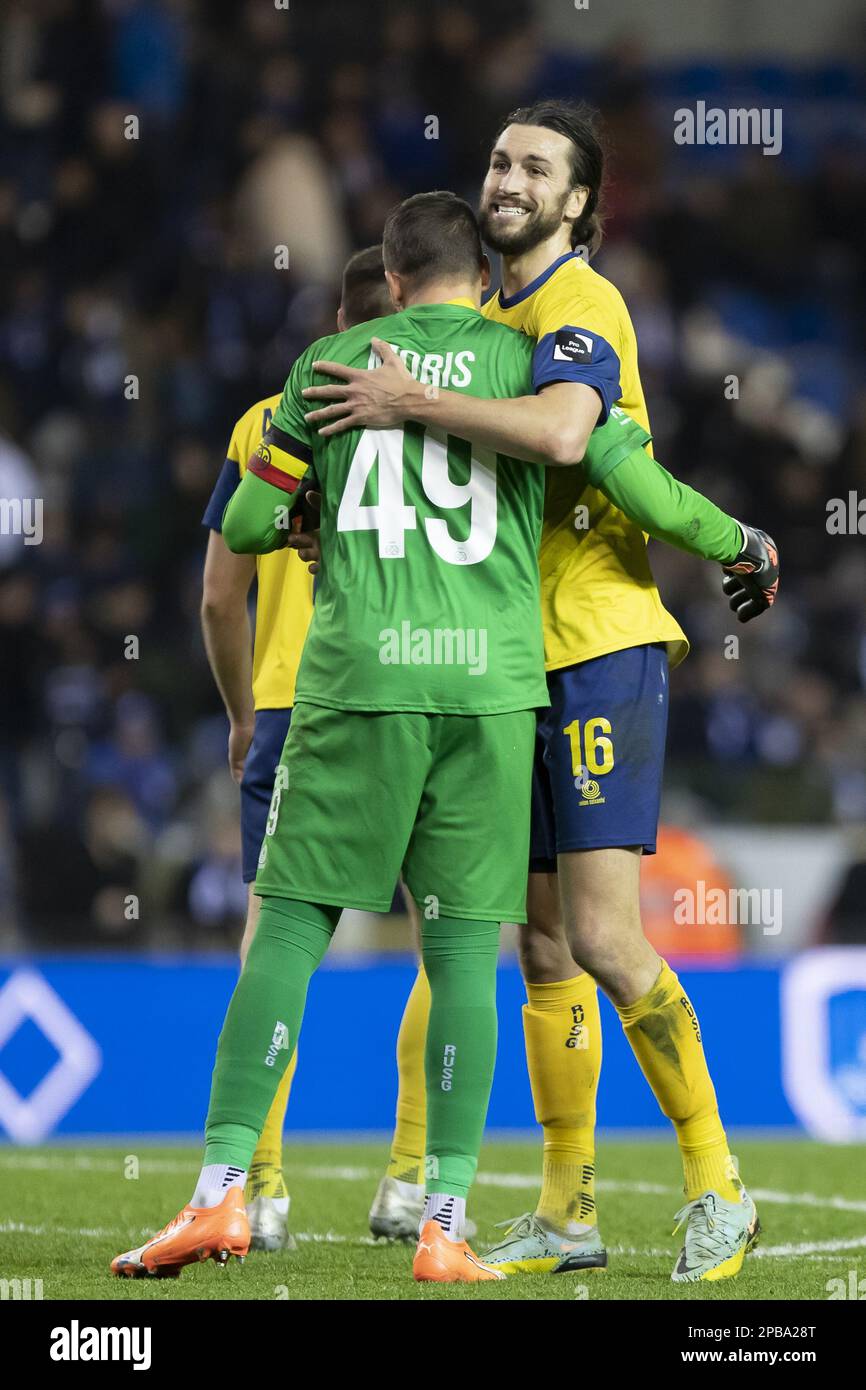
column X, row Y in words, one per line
column 142, row 313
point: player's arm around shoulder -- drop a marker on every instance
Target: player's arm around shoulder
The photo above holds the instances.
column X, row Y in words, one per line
column 548, row 424
column 618, row 465
column 577, row 320
column 551, row 430
column 562, row 417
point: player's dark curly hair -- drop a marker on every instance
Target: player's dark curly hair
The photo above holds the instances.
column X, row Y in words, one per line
column 578, row 122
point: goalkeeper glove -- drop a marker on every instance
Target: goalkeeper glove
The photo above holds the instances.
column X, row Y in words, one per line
column 751, row 580
column 305, row 526
column 306, row 509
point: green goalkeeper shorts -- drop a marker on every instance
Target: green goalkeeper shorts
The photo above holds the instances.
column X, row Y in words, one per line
column 444, row 798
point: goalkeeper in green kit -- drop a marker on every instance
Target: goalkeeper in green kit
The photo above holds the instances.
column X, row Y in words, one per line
column 412, row 740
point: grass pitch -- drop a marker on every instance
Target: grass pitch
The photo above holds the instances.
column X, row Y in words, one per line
column 66, row 1211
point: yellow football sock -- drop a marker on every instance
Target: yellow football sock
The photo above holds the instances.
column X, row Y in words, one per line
column 562, row 1029
column 410, row 1132
column 269, row 1151
column 665, row 1037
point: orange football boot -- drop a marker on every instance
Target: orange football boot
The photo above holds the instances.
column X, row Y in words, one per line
column 443, row 1261
column 195, row 1234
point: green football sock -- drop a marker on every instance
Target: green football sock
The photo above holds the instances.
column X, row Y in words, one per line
column 460, row 961
column 262, row 1024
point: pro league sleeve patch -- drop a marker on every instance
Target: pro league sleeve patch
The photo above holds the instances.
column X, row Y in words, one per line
column 571, row 346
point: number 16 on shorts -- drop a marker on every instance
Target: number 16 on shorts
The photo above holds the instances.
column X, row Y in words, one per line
column 591, row 753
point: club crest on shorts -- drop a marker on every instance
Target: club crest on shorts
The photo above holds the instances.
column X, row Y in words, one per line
column 590, row 791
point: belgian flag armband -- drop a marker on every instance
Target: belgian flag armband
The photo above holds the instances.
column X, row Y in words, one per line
column 281, row 459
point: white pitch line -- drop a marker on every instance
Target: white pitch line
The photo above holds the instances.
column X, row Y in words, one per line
column 525, row 1182
column 82, row 1163
column 338, row 1174
column 809, row 1247
column 346, row 1173
column 806, row 1199
column 20, row 1228
column 814, row 1250
column 644, row 1189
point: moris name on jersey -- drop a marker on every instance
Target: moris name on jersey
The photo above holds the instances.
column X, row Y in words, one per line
column 450, row 370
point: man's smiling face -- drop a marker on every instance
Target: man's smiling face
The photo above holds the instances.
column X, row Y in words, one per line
column 527, row 194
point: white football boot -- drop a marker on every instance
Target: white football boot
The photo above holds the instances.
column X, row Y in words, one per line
column 397, row 1210
column 268, row 1204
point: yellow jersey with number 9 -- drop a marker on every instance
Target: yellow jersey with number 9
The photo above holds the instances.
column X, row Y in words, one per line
column 284, row 605
column 598, row 594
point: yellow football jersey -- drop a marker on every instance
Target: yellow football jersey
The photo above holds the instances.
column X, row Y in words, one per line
column 598, row 594
column 284, row 605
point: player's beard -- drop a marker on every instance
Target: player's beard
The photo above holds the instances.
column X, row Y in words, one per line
column 517, row 240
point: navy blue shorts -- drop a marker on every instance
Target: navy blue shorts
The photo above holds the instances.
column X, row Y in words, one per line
column 599, row 755
column 257, row 784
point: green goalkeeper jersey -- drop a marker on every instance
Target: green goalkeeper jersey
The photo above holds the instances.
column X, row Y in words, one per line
column 428, row 595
